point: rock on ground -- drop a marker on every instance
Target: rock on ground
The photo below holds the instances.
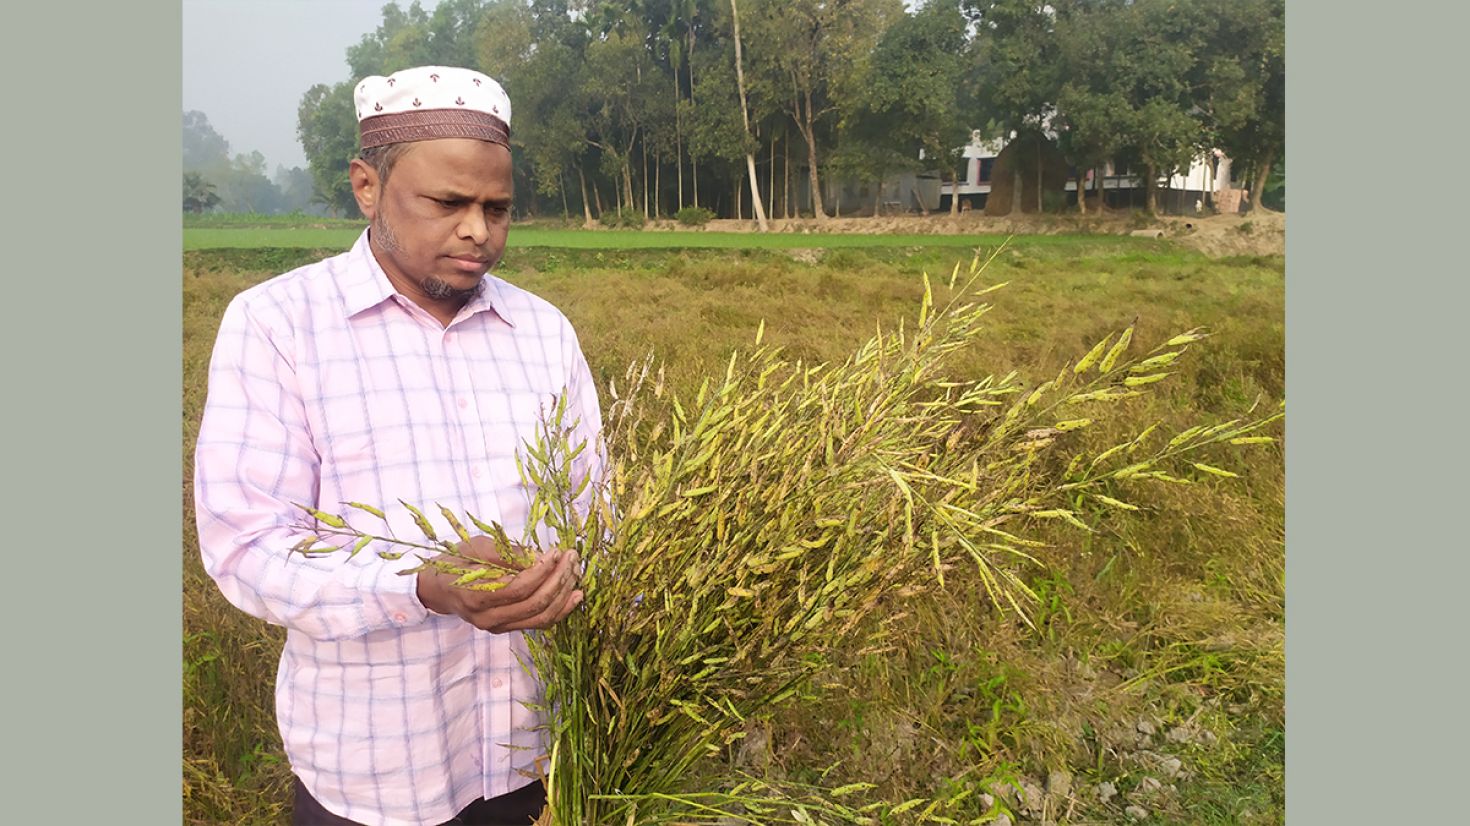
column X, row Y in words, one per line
column 1059, row 784
column 1033, row 794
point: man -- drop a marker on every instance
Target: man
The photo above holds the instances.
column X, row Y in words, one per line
column 399, row 370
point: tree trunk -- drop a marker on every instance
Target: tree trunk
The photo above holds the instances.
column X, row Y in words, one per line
column 1210, row 183
column 1082, row 190
column 597, row 194
column 878, row 200
column 786, row 179
column 645, row 181
column 739, row 200
column 1016, row 185
column 561, row 183
column 1150, row 197
column 771, row 179
column 1262, row 175
column 678, row 140
column 693, row 162
column 819, row 212
column 1039, row 202
column 628, row 178
column 954, row 192
column 586, row 208
column 657, row 169
column 755, row 187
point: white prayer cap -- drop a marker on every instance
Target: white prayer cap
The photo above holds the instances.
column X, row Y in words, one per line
column 428, row 102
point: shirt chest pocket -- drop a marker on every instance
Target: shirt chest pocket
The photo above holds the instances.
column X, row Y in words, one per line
column 506, row 423
column 509, row 423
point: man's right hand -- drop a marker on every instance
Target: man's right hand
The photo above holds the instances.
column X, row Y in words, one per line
column 538, row 597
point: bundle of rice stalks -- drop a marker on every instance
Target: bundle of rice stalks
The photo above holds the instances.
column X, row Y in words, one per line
column 785, row 511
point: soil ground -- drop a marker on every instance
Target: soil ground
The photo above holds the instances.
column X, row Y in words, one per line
column 1262, row 232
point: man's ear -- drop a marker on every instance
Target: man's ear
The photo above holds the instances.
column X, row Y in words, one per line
column 366, row 187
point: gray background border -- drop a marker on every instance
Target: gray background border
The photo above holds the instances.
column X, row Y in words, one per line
column 92, row 336
column 1376, row 461
column 1376, row 447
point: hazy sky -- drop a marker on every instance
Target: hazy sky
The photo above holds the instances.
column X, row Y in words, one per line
column 248, row 62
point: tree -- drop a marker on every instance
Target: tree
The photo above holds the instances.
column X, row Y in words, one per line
column 675, row 22
column 1089, row 125
column 1243, row 84
column 1090, row 120
column 714, row 130
column 199, row 195
column 399, row 42
column 912, row 99
column 1129, row 87
column 326, row 124
column 295, row 187
column 205, row 150
column 1161, row 40
column 621, row 84
column 542, row 76
column 755, row 189
column 811, row 54
column 236, row 185
column 1017, row 71
column 245, row 187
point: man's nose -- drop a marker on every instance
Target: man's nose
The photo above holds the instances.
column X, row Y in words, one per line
column 475, row 227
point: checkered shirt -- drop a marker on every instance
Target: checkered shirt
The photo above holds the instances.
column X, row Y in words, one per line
column 326, row 386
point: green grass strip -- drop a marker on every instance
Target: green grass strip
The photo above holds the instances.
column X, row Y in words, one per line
column 257, row 237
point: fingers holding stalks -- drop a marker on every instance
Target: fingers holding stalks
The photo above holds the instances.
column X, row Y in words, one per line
column 535, row 597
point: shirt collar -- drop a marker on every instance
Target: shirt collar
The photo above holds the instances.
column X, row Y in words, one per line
column 365, row 285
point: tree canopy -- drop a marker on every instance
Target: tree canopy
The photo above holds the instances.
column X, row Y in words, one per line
column 214, row 178
column 634, row 106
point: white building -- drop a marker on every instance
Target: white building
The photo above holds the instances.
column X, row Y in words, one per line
column 1121, row 187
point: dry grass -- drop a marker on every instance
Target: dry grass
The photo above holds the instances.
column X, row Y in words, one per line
column 1172, row 616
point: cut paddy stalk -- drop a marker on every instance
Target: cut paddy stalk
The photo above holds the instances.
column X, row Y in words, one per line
column 740, row 536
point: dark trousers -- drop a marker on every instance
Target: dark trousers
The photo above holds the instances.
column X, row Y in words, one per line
column 518, row 808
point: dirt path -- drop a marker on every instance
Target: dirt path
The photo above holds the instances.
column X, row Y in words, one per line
column 1259, row 233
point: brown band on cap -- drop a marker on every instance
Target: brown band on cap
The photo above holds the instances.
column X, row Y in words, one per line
column 428, row 124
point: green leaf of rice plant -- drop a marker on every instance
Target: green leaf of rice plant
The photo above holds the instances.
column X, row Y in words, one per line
column 1092, row 355
column 1116, row 352
column 1214, row 470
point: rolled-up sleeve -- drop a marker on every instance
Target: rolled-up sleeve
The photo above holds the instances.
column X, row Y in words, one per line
column 254, row 461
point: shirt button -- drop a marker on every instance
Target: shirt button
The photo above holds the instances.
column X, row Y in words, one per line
column 463, row 402
column 400, row 618
column 475, row 472
column 497, row 682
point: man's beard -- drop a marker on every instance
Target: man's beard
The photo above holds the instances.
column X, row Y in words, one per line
column 434, row 287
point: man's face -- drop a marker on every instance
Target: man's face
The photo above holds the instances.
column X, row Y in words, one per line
column 440, row 221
